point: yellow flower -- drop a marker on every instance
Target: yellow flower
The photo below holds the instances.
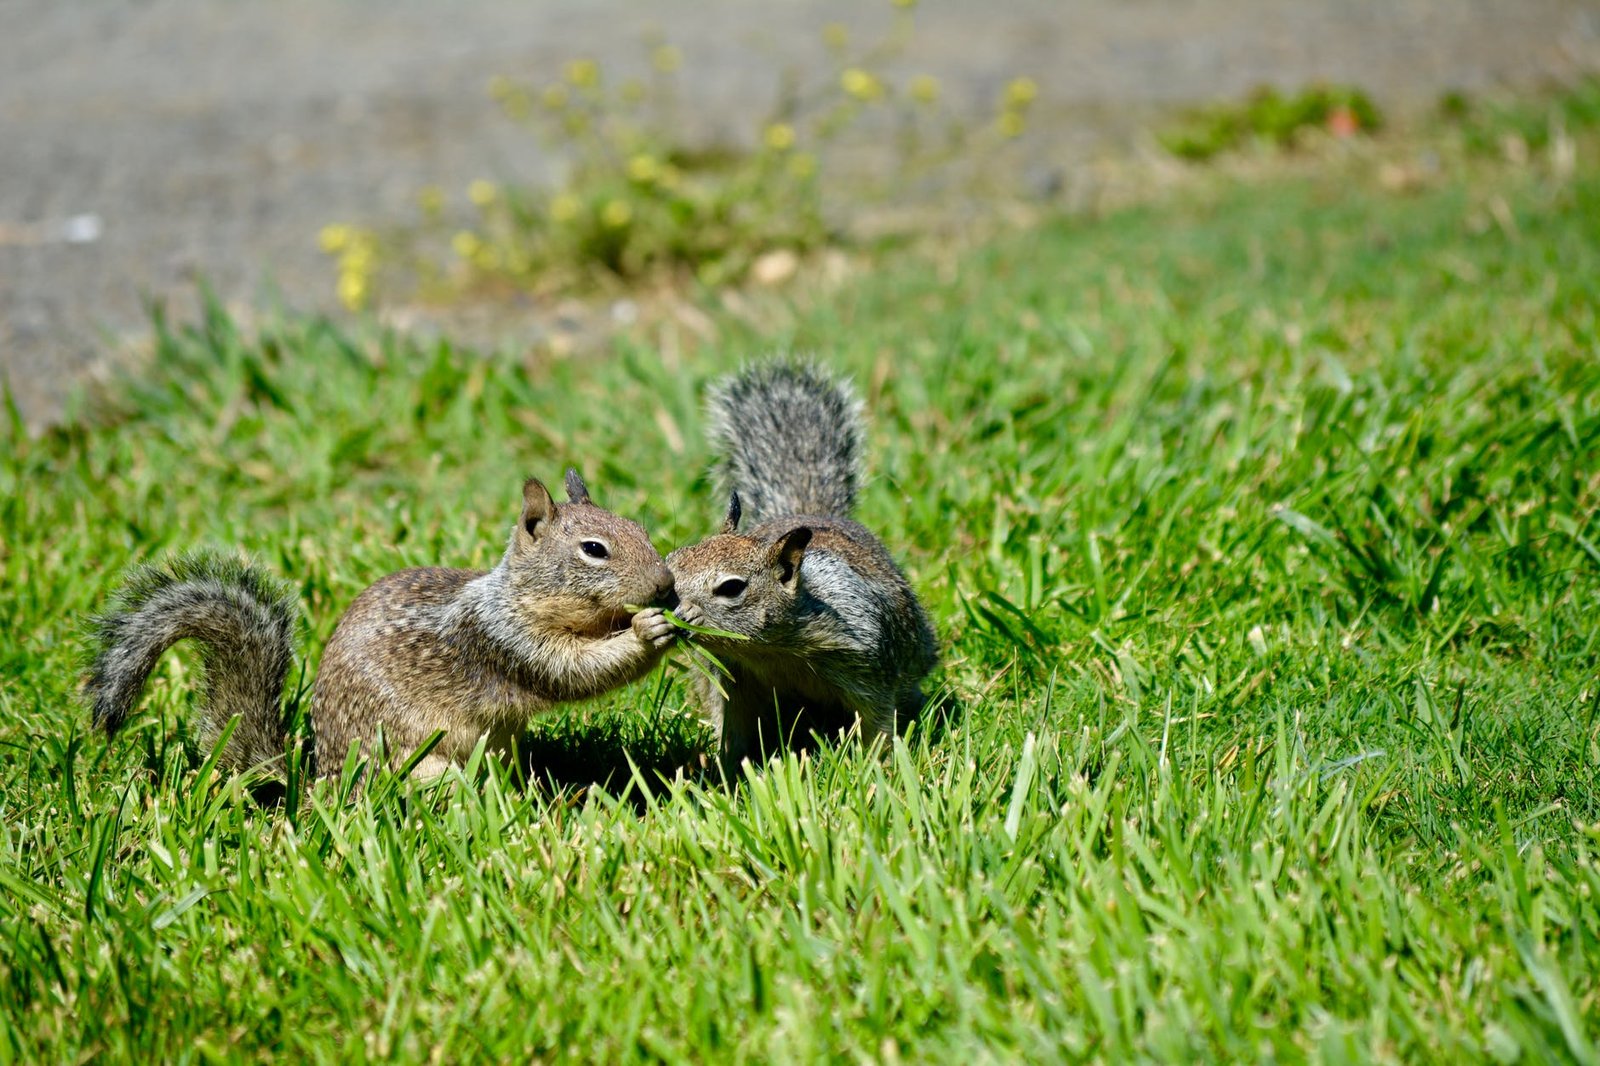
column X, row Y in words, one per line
column 466, row 244
column 1021, row 92
column 861, row 85
column 643, row 168
column 671, row 177
column 802, row 165
column 616, row 214
column 632, row 91
column 554, row 98
column 334, row 238
column 352, row 290
column 779, row 136
column 924, row 88
column 565, row 208
column 516, row 103
column 905, row 3
column 583, row 73
column 1010, row 124
column 431, row 199
column 487, row 260
column 359, row 255
column 482, row 192
column 666, row 58
column 835, row 36
column 500, row 87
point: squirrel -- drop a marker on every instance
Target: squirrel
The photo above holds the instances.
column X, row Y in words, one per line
column 470, row 652
column 832, row 631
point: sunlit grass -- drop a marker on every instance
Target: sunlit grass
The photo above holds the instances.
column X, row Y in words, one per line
column 1260, row 534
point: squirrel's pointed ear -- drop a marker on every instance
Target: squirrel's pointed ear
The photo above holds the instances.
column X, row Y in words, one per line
column 787, row 552
column 730, row 524
column 537, row 506
column 577, row 491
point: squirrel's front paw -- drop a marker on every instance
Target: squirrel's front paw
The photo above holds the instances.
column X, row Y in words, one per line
column 652, row 627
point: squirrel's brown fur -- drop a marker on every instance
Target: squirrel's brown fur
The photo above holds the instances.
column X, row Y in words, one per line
column 472, row 653
column 833, row 633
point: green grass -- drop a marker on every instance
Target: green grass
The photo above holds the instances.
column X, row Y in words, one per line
column 1260, row 531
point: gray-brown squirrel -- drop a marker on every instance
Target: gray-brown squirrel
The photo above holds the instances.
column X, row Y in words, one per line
column 472, row 653
column 833, row 631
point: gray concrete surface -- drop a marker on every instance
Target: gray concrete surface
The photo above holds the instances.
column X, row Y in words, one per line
column 213, row 139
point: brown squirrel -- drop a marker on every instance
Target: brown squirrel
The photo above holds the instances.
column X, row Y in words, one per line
column 832, row 631
column 472, row 653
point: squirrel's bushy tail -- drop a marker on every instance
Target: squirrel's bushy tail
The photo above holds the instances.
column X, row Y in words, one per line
column 789, row 436
column 244, row 623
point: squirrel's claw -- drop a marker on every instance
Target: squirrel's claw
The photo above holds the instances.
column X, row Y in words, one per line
column 652, row 627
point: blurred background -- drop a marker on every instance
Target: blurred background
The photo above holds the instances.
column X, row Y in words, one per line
column 278, row 152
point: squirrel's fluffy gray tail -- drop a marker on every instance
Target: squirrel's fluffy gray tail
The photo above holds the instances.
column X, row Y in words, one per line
column 244, row 623
column 789, row 436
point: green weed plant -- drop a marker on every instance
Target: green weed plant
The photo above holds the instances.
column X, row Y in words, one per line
column 1269, row 116
column 642, row 199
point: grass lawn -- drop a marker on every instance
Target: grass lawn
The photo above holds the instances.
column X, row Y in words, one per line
column 1260, row 529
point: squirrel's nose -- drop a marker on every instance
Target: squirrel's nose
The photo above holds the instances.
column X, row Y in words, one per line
column 664, row 586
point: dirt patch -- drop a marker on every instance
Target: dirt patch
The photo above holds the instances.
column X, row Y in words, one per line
column 146, row 145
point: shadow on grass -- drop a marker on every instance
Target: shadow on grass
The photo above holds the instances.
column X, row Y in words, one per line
column 579, row 754
column 631, row 758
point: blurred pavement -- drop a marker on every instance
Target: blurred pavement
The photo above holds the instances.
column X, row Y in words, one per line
column 144, row 144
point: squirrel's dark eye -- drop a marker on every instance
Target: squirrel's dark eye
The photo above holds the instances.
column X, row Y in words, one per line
column 594, row 549
column 729, row 588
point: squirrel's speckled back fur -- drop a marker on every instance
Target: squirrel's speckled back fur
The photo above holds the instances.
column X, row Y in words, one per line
column 466, row 653
column 832, row 631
